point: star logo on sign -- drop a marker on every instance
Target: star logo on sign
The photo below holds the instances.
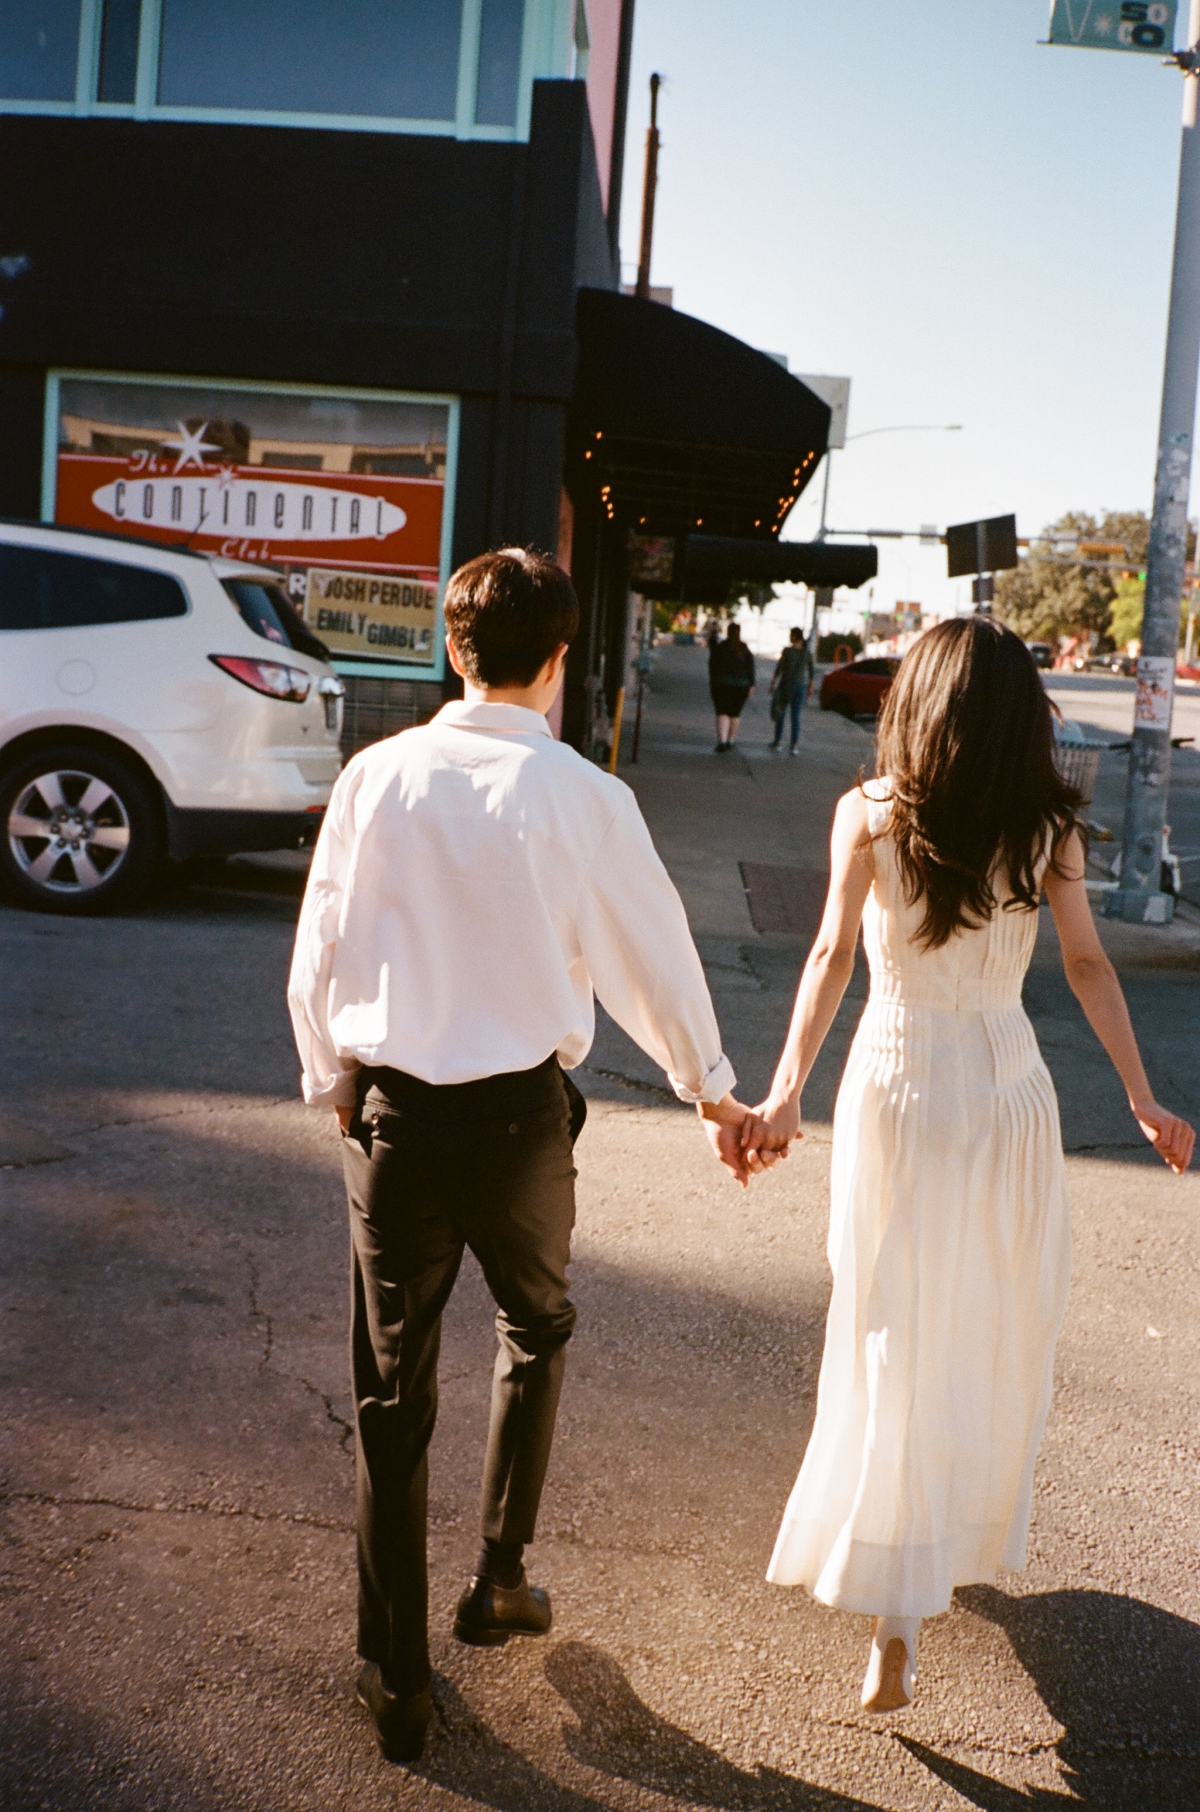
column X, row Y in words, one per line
column 1104, row 24
column 191, row 447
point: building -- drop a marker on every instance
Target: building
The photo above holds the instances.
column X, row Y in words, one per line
column 337, row 288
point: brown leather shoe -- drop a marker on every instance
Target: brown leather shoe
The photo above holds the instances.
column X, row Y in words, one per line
column 489, row 1614
column 400, row 1723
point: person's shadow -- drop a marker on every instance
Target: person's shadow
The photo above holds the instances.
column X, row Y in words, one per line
column 1123, row 1678
column 617, row 1734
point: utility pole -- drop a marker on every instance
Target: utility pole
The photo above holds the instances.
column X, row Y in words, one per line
column 642, row 289
column 1140, row 898
column 649, row 187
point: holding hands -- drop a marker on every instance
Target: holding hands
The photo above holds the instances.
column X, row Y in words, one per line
column 749, row 1141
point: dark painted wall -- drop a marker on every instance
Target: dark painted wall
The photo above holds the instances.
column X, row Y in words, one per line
column 308, row 256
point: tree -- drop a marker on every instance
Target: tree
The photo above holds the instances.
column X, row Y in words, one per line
column 1048, row 596
column 1125, row 614
column 1125, row 617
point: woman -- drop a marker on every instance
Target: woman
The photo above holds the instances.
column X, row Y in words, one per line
column 730, row 683
column 949, row 1238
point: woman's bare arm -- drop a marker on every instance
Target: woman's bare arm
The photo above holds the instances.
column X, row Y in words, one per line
column 828, row 969
column 1094, row 983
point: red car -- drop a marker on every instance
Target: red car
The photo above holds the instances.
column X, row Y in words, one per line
column 858, row 688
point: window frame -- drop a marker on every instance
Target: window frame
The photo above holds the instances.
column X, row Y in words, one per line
column 375, row 668
column 547, row 49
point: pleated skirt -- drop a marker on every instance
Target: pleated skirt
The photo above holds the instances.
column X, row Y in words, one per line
column 949, row 1243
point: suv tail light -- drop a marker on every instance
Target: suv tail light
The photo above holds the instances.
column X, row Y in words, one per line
column 271, row 677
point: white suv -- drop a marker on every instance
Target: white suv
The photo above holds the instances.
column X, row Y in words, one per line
column 153, row 703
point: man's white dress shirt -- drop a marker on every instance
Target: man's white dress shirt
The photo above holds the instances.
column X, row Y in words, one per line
column 473, row 884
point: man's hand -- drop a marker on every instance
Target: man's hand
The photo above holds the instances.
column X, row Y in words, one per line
column 344, row 1117
column 738, row 1139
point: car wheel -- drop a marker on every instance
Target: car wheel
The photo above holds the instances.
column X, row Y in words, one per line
column 79, row 831
column 842, row 705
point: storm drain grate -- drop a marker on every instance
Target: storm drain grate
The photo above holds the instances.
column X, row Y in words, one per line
column 785, row 899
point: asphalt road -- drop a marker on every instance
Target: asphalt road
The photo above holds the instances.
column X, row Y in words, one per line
column 1103, row 706
column 178, row 1595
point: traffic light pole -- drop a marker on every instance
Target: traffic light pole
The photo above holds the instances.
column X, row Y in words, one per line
column 1140, row 898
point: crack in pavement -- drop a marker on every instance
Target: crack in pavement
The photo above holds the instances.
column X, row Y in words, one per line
column 193, row 1507
column 257, row 1314
column 347, row 1428
column 647, row 1088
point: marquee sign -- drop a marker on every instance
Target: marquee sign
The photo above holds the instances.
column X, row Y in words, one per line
column 345, row 497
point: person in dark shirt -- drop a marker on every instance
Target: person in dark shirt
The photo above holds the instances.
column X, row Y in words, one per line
column 790, row 686
column 730, row 683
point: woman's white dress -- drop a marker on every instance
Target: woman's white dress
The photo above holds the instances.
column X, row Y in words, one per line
column 950, row 1249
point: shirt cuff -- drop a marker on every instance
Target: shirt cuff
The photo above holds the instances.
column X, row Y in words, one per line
column 339, row 1090
column 719, row 1082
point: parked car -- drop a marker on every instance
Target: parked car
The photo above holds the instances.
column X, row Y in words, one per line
column 1042, row 652
column 154, row 703
column 1114, row 662
column 858, row 688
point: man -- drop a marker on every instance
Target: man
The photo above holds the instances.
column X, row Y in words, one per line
column 790, row 686
column 474, row 882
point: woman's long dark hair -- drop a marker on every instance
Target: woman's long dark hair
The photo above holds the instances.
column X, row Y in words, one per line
column 967, row 741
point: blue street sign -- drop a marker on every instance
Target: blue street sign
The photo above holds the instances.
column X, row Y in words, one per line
column 1145, row 25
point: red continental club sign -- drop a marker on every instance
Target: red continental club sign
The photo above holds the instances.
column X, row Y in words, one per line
column 255, row 512
column 341, row 495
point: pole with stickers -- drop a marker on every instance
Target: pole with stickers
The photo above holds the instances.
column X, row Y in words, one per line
column 1148, row 27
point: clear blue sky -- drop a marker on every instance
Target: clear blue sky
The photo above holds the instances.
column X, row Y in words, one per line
column 974, row 227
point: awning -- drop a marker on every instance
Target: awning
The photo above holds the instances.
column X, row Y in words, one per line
column 712, row 563
column 676, row 426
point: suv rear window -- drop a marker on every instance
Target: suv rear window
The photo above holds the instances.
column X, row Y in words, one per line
column 268, row 611
column 41, row 588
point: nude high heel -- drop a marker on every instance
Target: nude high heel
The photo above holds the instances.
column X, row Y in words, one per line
column 891, row 1678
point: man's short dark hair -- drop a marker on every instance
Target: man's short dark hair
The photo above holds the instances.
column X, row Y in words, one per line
column 797, row 635
column 506, row 613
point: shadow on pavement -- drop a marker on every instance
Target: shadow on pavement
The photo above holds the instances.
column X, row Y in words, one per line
column 618, row 1734
column 466, row 1758
column 1124, row 1679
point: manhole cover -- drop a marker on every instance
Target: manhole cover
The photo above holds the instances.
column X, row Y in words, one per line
column 785, row 899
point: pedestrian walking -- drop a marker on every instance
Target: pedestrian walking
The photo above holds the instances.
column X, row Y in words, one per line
column 473, row 883
column 948, row 1237
column 791, row 684
column 730, row 683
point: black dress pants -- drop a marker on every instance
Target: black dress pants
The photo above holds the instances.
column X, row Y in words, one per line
column 430, row 1171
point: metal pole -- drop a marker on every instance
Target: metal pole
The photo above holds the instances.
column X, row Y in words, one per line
column 649, row 189
column 825, row 493
column 1140, row 898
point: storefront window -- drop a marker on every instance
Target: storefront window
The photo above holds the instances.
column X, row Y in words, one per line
column 120, row 25
column 499, row 62
column 343, row 498
column 401, row 65
column 391, row 59
column 39, row 49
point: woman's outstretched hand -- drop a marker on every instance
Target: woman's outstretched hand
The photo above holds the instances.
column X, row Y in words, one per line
column 1171, row 1137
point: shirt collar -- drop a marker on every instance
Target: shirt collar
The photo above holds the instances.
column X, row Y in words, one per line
column 515, row 719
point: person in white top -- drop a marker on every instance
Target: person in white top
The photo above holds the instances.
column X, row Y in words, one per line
column 474, row 885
